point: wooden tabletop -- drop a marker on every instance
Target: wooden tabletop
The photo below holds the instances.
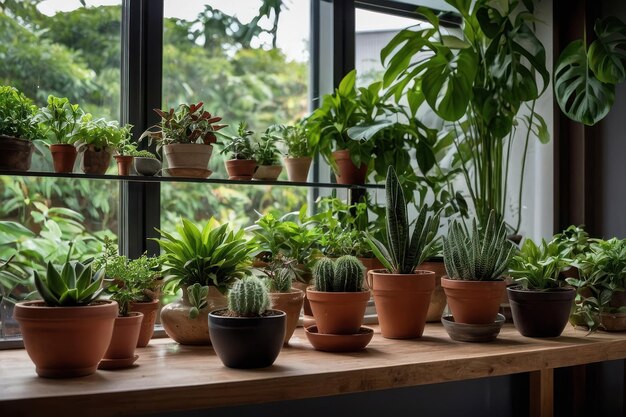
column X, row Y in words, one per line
column 174, row 377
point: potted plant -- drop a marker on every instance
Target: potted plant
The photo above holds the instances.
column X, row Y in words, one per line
column 247, row 334
column 299, row 152
column 18, row 129
column 267, row 158
column 401, row 292
column 540, row 300
column 576, row 240
column 475, row 265
column 60, row 122
column 186, row 135
column 95, row 140
column 67, row 332
column 124, row 148
column 212, row 256
column 242, row 164
column 146, row 163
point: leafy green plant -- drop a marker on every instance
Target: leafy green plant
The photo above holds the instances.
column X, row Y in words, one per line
column 9, row 277
column 213, row 255
column 404, row 251
column 60, row 121
column 197, row 298
column 143, row 154
column 188, row 123
column 539, row 267
column 17, row 115
column 482, row 256
column 296, row 140
column 248, row 298
column 266, row 151
column 239, row 145
column 574, row 238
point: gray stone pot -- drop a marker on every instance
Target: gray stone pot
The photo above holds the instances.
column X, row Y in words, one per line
column 147, row 166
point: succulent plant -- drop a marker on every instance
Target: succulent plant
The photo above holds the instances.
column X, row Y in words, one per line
column 283, row 278
column 248, row 297
column 483, row 256
column 197, row 298
column 348, row 274
column 324, row 274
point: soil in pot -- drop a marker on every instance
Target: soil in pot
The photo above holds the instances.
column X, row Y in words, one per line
column 15, row 154
column 438, row 299
column 247, row 342
column 402, row 302
column 347, row 172
column 149, row 310
column 95, row 161
column 124, row 162
column 291, row 303
column 63, row 157
column 121, row 350
column 240, row 169
column 267, row 172
column 540, row 313
column 473, row 302
column 298, row 168
column 338, row 312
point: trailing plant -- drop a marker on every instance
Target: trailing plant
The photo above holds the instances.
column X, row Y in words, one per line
column 539, row 267
column 211, row 255
column 296, row 140
column 197, row 299
column 17, row 115
column 342, row 275
column 60, row 121
column 239, row 145
column 482, row 256
column 188, row 123
column 266, row 151
column 403, row 251
column 248, row 298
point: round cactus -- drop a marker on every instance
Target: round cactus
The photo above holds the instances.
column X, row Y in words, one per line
column 248, row 297
column 323, row 274
column 349, row 273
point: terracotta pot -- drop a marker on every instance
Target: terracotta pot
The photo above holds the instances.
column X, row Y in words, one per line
column 291, row 303
column 149, row 310
column 240, row 169
column 15, row 154
column 124, row 162
column 267, row 172
column 306, row 306
column 613, row 322
column 66, row 341
column 370, row 264
column 147, row 166
column 347, row 172
column 473, row 302
column 438, row 298
column 187, row 155
column 125, row 336
column 177, row 324
column 338, row 312
column 95, row 161
column 298, row 168
column 402, row 302
column 63, row 157
column 541, row 313
column 247, row 342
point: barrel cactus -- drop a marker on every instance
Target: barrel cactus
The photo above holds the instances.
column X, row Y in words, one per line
column 248, row 297
column 324, row 274
column 348, row 274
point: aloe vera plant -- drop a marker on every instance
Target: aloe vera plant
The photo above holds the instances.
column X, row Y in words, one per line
column 404, row 251
column 482, row 256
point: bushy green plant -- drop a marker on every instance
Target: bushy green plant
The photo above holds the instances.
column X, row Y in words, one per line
column 404, row 251
column 100, row 133
column 296, row 140
column 482, row 256
column 248, row 297
column 17, row 115
column 239, row 146
column 538, row 267
column 575, row 238
column 60, row 121
column 345, row 274
column 266, row 151
column 143, row 154
column 213, row 255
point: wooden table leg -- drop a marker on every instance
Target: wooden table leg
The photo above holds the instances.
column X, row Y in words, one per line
column 542, row 393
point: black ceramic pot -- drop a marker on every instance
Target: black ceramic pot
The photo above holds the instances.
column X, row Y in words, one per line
column 247, row 342
column 540, row 313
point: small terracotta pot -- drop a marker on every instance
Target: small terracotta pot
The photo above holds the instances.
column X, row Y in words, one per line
column 298, row 168
column 15, row 154
column 291, row 303
column 338, row 312
column 125, row 336
column 402, row 302
column 124, row 162
column 347, row 172
column 187, row 155
column 95, row 161
column 438, row 298
column 613, row 322
column 149, row 310
column 306, row 306
column 63, row 157
column 473, row 302
column 240, row 169
column 267, row 172
column 540, row 313
column 66, row 342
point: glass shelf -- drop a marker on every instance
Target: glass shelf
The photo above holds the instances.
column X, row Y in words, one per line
column 140, row 178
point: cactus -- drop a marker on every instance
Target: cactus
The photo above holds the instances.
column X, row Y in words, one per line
column 324, row 274
column 348, row 274
column 283, row 278
column 248, row 297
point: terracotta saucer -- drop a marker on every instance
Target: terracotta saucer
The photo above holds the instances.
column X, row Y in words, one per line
column 464, row 332
column 117, row 363
column 339, row 342
column 188, row 172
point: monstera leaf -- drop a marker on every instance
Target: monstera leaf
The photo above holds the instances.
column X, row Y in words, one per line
column 607, row 54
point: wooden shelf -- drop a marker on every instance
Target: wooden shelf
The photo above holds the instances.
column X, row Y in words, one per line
column 170, row 377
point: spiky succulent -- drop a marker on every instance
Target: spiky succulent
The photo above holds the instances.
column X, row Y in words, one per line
column 404, row 251
column 483, row 256
column 248, row 297
column 324, row 274
column 283, row 277
column 349, row 273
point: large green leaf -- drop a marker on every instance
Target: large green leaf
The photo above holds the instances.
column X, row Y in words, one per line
column 607, row 54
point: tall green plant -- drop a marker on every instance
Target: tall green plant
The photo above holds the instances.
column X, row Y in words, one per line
column 60, row 121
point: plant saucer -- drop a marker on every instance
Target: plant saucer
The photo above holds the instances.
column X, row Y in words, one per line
column 339, row 342
column 117, row 363
column 188, row 172
column 478, row 333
